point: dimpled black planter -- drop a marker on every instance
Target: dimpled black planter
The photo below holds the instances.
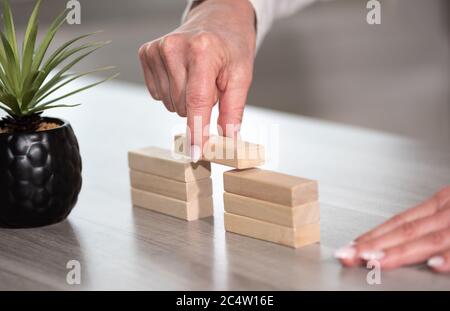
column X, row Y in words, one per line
column 40, row 176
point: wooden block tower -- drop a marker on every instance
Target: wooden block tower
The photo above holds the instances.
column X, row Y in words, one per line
column 170, row 184
column 272, row 206
column 258, row 203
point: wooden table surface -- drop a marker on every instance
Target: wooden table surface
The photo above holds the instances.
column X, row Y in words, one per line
column 364, row 177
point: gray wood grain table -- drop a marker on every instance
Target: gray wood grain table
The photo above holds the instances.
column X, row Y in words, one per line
column 364, row 177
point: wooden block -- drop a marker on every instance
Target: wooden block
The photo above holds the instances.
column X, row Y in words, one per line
column 164, row 163
column 293, row 237
column 271, row 186
column 296, row 216
column 199, row 208
column 186, row 191
column 226, row 151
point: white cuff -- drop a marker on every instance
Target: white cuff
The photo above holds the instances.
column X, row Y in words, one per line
column 264, row 19
column 187, row 9
column 267, row 11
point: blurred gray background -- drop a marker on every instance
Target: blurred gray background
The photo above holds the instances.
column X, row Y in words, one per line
column 325, row 61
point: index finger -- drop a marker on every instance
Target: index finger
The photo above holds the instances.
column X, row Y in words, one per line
column 424, row 209
column 201, row 95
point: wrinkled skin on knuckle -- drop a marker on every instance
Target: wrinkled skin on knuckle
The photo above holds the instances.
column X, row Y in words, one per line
column 151, row 50
column 202, row 42
column 208, row 48
column 231, row 114
column 170, row 44
column 196, row 100
column 396, row 220
column 438, row 238
column 409, row 230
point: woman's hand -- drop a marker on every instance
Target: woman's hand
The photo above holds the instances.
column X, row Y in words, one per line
column 207, row 59
column 417, row 235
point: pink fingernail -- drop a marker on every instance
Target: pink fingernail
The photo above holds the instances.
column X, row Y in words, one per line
column 196, row 153
column 372, row 255
column 436, row 261
column 346, row 252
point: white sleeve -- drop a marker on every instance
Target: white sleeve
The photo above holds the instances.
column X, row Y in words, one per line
column 267, row 11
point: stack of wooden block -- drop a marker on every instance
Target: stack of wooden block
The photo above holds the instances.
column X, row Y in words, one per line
column 170, row 184
column 226, row 151
column 272, row 206
column 258, row 203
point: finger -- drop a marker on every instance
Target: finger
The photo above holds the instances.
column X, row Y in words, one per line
column 347, row 255
column 200, row 98
column 441, row 262
column 159, row 72
column 350, row 255
column 443, row 197
column 170, row 49
column 148, row 76
column 404, row 233
column 232, row 102
column 415, row 251
column 424, row 209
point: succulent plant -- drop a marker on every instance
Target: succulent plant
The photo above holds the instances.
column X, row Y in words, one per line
column 28, row 77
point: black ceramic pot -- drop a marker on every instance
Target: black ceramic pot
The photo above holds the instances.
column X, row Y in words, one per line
column 40, row 176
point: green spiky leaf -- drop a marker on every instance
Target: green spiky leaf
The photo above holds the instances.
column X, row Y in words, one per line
column 47, row 104
column 54, row 106
column 55, row 79
column 10, row 30
column 29, row 41
column 27, row 79
column 63, row 47
column 12, row 72
column 69, row 80
column 48, row 38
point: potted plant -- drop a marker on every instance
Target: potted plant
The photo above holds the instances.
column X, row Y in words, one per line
column 40, row 163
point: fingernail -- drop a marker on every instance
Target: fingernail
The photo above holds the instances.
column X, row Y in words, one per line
column 195, row 153
column 372, row 255
column 346, row 252
column 436, row 261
